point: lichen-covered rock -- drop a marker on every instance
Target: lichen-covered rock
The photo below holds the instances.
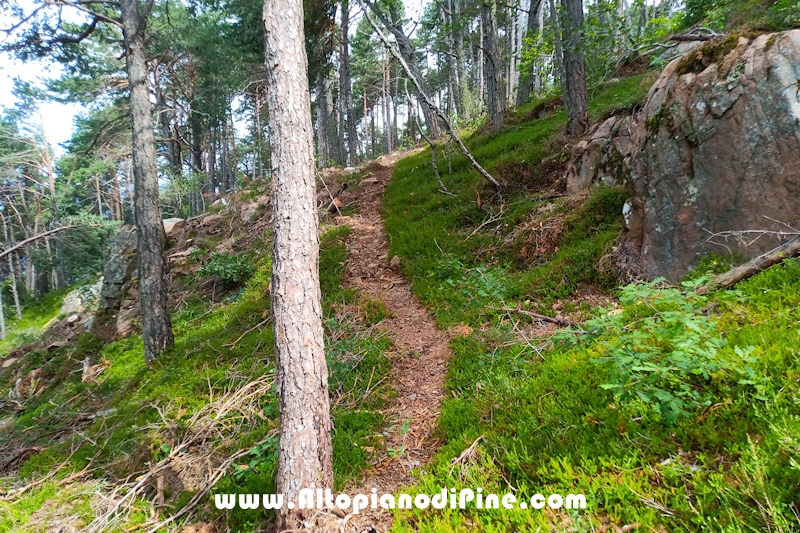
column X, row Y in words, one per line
column 119, row 269
column 81, row 300
column 716, row 148
column 173, row 225
column 602, row 157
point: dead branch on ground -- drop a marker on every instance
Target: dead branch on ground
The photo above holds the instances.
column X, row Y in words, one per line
column 762, row 262
column 544, row 318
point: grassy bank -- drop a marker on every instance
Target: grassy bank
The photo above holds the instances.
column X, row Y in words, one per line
column 666, row 410
column 214, row 389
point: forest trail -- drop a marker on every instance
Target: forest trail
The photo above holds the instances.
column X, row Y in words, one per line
column 420, row 354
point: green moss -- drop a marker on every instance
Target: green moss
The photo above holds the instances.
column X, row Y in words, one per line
column 654, row 122
column 218, row 348
column 712, row 51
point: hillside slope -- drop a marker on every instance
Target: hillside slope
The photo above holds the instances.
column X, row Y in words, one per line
column 667, row 410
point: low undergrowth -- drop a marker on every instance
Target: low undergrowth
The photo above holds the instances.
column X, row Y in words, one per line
column 207, row 398
column 667, row 410
column 35, row 314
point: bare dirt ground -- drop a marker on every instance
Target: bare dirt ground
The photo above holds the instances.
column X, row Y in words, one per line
column 419, row 357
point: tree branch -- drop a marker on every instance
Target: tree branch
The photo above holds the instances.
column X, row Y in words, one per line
column 428, row 101
column 68, row 39
column 26, row 242
column 762, row 262
column 79, row 7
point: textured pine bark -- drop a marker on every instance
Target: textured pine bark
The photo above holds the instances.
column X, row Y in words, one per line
column 574, row 84
column 495, row 92
column 152, row 265
column 305, row 457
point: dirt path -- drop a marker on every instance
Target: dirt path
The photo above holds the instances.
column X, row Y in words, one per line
column 419, row 357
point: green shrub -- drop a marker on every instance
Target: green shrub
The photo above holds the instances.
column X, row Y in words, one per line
column 230, row 270
column 662, row 349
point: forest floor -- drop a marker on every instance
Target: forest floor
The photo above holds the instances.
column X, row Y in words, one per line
column 420, row 353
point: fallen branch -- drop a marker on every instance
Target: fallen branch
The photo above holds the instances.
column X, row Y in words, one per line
column 689, row 37
column 442, row 187
column 33, row 239
column 466, row 453
column 445, row 120
column 15, row 493
column 200, row 494
column 762, row 262
column 544, row 318
column 234, row 343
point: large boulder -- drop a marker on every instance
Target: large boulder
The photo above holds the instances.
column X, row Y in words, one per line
column 602, row 157
column 716, row 148
column 81, row 300
column 173, row 225
column 120, row 268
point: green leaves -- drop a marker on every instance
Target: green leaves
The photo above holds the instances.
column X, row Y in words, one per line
column 477, row 286
column 229, row 269
column 663, row 350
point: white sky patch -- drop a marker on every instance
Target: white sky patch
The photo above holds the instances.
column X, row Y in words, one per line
column 59, row 118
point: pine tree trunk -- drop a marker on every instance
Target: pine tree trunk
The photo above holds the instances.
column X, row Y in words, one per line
column 512, row 34
column 481, row 64
column 346, row 90
column 574, row 83
column 323, row 119
column 9, row 238
column 156, row 324
column 558, row 53
column 2, row 316
column 305, row 456
column 392, row 24
column 59, row 273
column 387, row 121
column 527, row 78
column 495, row 92
column 458, row 49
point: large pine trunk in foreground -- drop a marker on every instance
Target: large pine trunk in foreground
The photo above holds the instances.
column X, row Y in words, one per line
column 156, row 324
column 305, row 457
column 574, row 82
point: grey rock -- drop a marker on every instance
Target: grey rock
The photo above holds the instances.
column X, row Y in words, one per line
column 119, row 269
column 81, row 300
column 717, row 149
column 173, row 225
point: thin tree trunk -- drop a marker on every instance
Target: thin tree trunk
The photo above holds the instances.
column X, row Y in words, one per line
column 116, row 195
column 365, row 121
column 323, row 118
column 387, row 121
column 481, row 63
column 429, row 104
column 345, row 89
column 494, row 70
column 16, row 273
column 393, row 25
column 574, row 83
column 153, row 287
column 9, row 237
column 558, row 53
column 511, row 46
column 234, row 162
column 527, row 79
column 60, row 278
column 2, row 316
column 305, row 455
column 458, row 49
